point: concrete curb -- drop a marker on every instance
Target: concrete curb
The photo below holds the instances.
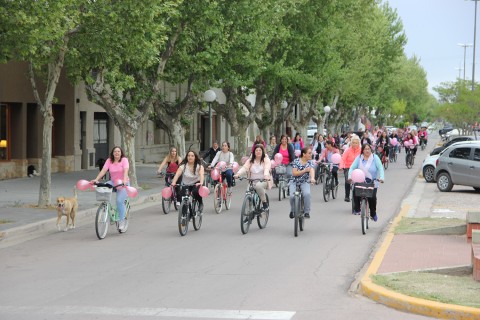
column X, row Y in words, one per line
column 35, row 230
column 453, row 230
column 400, row 301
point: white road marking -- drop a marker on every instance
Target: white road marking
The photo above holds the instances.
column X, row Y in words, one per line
column 151, row 312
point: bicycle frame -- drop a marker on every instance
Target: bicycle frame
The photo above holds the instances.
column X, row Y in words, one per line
column 299, row 218
column 252, row 201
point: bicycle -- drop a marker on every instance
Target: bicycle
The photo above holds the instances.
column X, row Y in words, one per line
column 298, row 210
column 392, row 154
column 422, row 143
column 188, row 210
column 208, row 181
column 167, row 203
column 281, row 172
column 106, row 213
column 383, row 156
column 221, row 194
column 252, row 208
column 319, row 173
column 364, row 191
column 409, row 158
column 329, row 183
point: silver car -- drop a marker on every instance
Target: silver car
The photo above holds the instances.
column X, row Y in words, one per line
column 459, row 164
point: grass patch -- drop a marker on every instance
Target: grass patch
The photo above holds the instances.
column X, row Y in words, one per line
column 4, row 221
column 451, row 289
column 408, row 225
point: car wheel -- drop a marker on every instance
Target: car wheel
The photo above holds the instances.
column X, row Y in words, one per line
column 428, row 172
column 477, row 189
column 444, row 182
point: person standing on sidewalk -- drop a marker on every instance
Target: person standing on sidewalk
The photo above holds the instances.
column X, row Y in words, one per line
column 347, row 159
column 117, row 165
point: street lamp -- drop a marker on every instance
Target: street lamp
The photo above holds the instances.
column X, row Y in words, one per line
column 209, row 96
column 465, row 46
column 327, row 110
column 284, row 106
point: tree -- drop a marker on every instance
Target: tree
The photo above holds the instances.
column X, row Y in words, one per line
column 45, row 29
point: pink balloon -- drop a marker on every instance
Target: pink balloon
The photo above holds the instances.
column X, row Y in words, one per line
column 131, row 191
column 221, row 165
column 410, row 142
column 215, row 174
column 358, row 176
column 235, row 167
column 273, row 164
column 83, row 185
column 203, row 191
column 278, row 158
column 406, row 144
column 297, row 153
column 394, row 141
column 336, row 158
column 167, row 193
column 244, row 159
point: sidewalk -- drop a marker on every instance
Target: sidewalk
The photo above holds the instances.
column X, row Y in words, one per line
column 395, row 253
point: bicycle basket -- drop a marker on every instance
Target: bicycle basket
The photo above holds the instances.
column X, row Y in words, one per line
column 364, row 190
column 103, row 193
column 281, row 170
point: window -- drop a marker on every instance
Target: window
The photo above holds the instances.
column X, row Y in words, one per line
column 476, row 155
column 460, row 153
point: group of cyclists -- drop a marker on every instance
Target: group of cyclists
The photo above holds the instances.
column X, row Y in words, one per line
column 358, row 151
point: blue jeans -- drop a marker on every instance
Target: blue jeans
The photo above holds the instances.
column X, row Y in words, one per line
column 305, row 187
column 229, row 175
column 121, row 197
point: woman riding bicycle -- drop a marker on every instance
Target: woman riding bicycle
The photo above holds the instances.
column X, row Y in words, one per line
column 304, row 174
column 193, row 174
column 258, row 140
column 372, row 166
column 117, row 165
column 271, row 147
column 287, row 151
column 298, row 142
column 258, row 167
column 347, row 159
column 412, row 141
column 326, row 156
column 226, row 156
column 383, row 141
column 172, row 160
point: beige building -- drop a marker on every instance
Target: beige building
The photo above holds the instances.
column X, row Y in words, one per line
column 82, row 131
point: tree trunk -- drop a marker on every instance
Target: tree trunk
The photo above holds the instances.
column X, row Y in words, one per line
column 177, row 136
column 44, row 198
column 241, row 142
column 128, row 138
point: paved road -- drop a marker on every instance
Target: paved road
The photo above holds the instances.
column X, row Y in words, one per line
column 214, row 273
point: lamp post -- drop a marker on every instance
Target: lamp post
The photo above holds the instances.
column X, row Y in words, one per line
column 465, row 46
column 474, row 44
column 284, row 106
column 209, row 96
column 327, row 110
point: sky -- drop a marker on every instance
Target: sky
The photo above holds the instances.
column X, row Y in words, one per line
column 434, row 29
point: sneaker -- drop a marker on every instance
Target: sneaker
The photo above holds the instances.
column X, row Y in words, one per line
column 307, row 215
column 347, row 199
column 265, row 206
column 356, row 213
column 200, row 208
column 292, row 215
column 121, row 225
column 178, row 204
column 375, row 218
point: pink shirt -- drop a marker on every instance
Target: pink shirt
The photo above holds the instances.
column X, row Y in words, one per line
column 284, row 153
column 116, row 169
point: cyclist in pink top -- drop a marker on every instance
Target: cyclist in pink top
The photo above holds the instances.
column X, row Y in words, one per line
column 117, row 165
column 347, row 159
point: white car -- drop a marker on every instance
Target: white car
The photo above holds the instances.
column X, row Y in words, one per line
column 428, row 168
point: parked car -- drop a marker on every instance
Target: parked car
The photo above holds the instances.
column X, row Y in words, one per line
column 311, row 130
column 437, row 150
column 446, row 128
column 428, row 168
column 459, row 164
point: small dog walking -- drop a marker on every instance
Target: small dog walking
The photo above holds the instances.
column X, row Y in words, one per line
column 67, row 207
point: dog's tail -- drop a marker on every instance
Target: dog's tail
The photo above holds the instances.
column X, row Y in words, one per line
column 75, row 192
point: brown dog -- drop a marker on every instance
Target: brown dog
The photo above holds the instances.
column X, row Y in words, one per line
column 67, row 207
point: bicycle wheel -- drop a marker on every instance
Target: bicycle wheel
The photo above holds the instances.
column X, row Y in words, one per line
column 409, row 161
column 128, row 216
column 301, row 219
column 262, row 217
column 183, row 219
column 364, row 215
column 101, row 221
column 385, row 162
column 196, row 219
column 246, row 213
column 317, row 174
column 217, row 199
column 296, row 214
column 166, row 203
column 228, row 198
column 395, row 157
column 281, row 184
column 334, row 189
column 326, row 188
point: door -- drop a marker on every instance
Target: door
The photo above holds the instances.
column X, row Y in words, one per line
column 459, row 165
column 100, row 135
